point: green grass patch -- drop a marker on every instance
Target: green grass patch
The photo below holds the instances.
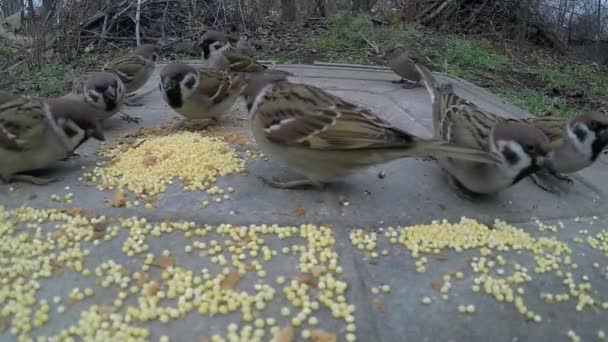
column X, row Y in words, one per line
column 48, row 81
column 348, row 37
column 474, row 59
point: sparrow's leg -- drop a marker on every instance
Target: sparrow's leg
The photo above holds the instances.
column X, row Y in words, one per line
column 129, row 118
column 461, row 191
column 536, row 179
column 410, row 85
column 72, row 155
column 562, row 177
column 132, row 98
column 291, row 184
column 32, row 179
column 132, row 103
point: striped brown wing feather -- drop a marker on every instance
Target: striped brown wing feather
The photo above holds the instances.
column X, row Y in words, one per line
column 307, row 116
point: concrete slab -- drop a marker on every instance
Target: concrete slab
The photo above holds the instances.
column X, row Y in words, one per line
column 412, row 192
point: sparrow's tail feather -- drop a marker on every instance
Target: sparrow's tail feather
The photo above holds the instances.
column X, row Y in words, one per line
column 278, row 72
column 429, row 81
column 438, row 148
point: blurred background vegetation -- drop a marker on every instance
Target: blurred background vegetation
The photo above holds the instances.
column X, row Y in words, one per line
column 543, row 55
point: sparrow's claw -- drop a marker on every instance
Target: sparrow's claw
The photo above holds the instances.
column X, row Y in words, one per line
column 461, row 191
column 290, row 185
column 132, row 103
column 73, row 155
column 33, row 179
column 129, row 118
column 536, row 179
column 410, row 85
column 562, row 177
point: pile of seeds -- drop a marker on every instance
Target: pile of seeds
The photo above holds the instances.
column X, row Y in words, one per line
column 148, row 168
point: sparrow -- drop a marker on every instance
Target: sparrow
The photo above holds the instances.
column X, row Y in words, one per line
column 200, row 94
column 326, row 138
column 576, row 143
column 245, row 47
column 522, row 148
column 35, row 134
column 103, row 91
column 6, row 97
column 219, row 54
column 135, row 69
column 403, row 63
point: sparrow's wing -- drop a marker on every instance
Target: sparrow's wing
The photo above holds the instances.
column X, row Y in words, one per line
column 22, row 124
column 218, row 85
column 242, row 63
column 552, row 126
column 127, row 67
column 464, row 123
column 307, row 116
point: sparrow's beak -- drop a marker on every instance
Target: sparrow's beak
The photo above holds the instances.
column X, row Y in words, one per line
column 97, row 133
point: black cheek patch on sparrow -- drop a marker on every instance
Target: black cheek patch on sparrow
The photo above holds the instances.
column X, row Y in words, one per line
column 110, row 103
column 598, row 145
column 511, row 157
column 174, row 96
column 580, row 133
column 206, row 48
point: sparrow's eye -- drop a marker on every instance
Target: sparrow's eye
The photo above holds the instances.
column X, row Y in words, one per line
column 593, row 125
column 217, row 45
column 154, row 56
column 530, row 149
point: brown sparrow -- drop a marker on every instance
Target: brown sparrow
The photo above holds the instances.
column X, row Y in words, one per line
column 35, row 134
column 135, row 69
column 403, row 63
column 200, row 94
column 103, row 91
column 219, row 54
column 576, row 143
column 522, row 148
column 326, row 138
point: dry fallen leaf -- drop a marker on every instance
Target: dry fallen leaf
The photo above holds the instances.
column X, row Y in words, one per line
column 163, row 261
column 149, row 160
column 143, row 278
column 231, row 280
column 76, row 212
column 379, row 305
column 436, row 285
column 118, row 200
column 322, row 336
column 152, row 288
column 284, row 335
column 318, row 270
column 299, row 211
column 104, row 310
column 99, row 232
column 441, row 257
